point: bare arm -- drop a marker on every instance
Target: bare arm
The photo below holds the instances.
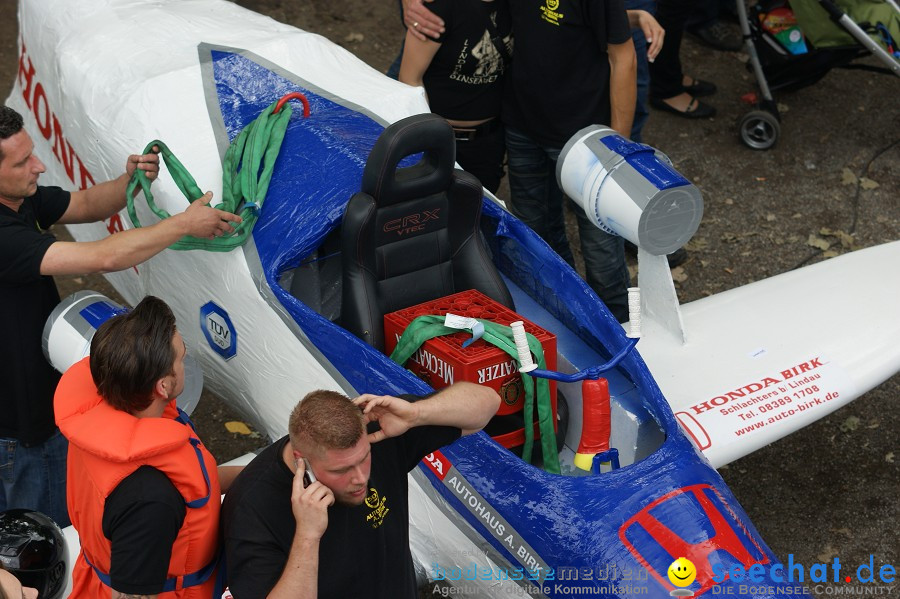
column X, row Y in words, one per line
column 464, row 405
column 101, row 201
column 300, row 577
column 653, row 31
column 622, row 86
column 417, row 57
column 227, row 474
column 117, row 595
column 420, row 21
column 129, row 248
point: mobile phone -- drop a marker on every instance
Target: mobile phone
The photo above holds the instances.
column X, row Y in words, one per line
column 308, row 476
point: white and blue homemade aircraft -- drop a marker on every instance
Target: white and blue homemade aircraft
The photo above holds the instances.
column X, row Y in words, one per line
column 99, row 80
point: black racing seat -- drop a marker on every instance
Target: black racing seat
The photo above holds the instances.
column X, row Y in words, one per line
column 412, row 234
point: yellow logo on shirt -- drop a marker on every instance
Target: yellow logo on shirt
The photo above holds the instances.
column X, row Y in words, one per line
column 379, row 509
column 549, row 14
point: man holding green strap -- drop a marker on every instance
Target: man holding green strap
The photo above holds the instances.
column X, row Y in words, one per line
column 32, row 451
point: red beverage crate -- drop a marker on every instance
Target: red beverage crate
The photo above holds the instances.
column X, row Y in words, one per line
column 443, row 360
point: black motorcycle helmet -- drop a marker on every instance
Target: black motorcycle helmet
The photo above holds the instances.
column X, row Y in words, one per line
column 33, row 548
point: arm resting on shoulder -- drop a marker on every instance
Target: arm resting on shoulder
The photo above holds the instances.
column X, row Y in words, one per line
column 622, row 86
column 421, row 21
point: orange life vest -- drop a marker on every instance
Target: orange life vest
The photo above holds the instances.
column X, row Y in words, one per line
column 107, row 445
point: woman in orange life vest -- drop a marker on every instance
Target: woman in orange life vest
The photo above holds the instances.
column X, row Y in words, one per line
column 143, row 491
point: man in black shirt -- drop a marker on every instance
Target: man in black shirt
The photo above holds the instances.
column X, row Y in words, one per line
column 574, row 66
column 31, row 449
column 353, row 519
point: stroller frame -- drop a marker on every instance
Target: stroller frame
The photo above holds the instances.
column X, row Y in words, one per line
column 761, row 127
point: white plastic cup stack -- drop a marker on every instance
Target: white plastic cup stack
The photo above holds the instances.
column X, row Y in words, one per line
column 525, row 359
column 634, row 313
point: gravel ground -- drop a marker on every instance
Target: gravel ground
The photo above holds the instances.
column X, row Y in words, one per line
column 831, row 489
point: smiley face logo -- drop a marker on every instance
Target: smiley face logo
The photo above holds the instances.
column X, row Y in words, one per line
column 552, row 4
column 681, row 574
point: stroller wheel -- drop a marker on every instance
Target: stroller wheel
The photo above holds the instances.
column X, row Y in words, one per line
column 760, row 129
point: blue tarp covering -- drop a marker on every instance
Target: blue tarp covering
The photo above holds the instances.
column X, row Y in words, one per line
column 631, row 519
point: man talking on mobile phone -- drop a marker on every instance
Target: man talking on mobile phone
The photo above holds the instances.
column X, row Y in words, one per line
column 352, row 517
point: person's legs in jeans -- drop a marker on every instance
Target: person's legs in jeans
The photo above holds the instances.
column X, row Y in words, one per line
column 483, row 157
column 604, row 264
column 394, row 70
column 535, row 197
column 538, row 201
column 641, row 113
column 35, row 477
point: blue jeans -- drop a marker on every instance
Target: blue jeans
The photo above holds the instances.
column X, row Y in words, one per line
column 34, row 477
column 537, row 201
column 641, row 113
column 394, row 70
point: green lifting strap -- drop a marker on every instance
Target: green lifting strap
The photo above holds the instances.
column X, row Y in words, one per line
column 246, row 173
column 424, row 328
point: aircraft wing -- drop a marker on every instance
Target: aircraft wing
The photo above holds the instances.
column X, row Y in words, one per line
column 748, row 366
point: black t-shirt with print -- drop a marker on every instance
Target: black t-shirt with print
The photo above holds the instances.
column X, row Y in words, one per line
column 559, row 80
column 26, row 300
column 465, row 78
column 365, row 549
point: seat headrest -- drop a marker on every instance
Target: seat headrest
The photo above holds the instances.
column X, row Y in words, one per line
column 426, row 133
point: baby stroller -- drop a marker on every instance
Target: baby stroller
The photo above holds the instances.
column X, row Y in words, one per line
column 794, row 45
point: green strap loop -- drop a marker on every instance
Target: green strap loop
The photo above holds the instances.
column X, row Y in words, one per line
column 246, row 174
column 424, row 328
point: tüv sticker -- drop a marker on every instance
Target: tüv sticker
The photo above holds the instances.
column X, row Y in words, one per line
column 218, row 330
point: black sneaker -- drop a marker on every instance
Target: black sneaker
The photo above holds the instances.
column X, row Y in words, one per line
column 677, row 257
column 718, row 35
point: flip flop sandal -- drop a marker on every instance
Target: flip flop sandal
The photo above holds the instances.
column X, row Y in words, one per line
column 695, row 110
column 700, row 88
